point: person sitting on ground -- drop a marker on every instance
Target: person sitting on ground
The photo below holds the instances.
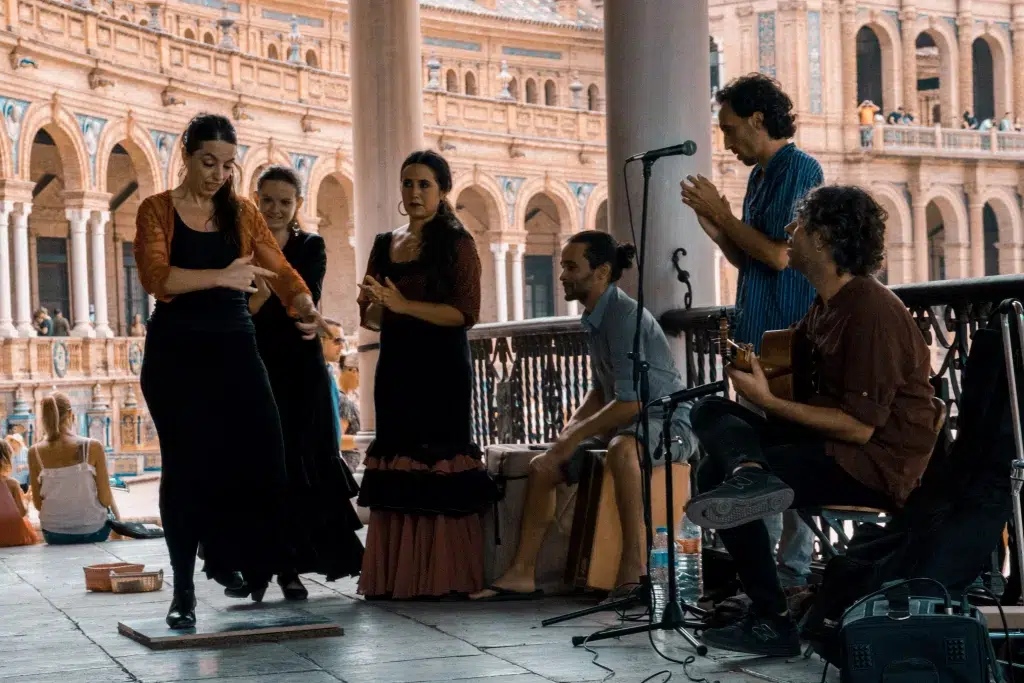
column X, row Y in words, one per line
column 860, row 431
column 592, row 262
column 70, row 485
column 19, row 460
column 15, row 529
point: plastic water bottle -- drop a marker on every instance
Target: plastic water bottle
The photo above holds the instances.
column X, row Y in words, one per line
column 689, row 567
column 659, row 572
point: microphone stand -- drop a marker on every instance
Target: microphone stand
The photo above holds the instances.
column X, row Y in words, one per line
column 672, row 618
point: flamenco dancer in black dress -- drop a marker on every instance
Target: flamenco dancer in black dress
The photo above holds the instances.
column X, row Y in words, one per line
column 424, row 480
column 224, row 484
column 320, row 484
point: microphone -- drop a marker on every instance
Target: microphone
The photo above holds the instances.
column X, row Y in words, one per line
column 687, row 149
column 683, row 395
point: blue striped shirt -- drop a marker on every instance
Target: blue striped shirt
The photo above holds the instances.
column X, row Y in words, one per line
column 767, row 299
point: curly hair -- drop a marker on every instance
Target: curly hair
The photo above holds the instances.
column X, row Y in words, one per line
column 759, row 93
column 850, row 222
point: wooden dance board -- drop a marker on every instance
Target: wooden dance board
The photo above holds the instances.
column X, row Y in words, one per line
column 230, row 629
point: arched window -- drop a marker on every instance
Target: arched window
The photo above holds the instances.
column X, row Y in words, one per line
column 550, row 94
column 452, row 81
column 593, row 98
column 272, row 51
column 531, row 92
column 513, row 89
column 470, row 83
column 716, row 72
column 143, row 22
column 208, row 38
column 189, row 35
column 311, row 59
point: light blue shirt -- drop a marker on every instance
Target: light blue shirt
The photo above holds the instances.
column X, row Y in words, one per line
column 20, row 460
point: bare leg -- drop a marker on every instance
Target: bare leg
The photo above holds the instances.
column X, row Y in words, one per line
column 622, row 460
column 538, row 514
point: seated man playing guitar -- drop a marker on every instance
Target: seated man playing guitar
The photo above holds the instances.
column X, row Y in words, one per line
column 860, row 431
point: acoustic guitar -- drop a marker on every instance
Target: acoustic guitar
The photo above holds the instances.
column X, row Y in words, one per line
column 778, row 357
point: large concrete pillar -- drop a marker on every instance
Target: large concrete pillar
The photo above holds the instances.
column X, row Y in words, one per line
column 908, row 37
column 387, row 117
column 666, row 106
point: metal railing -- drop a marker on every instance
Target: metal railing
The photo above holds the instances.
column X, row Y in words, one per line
column 530, row 376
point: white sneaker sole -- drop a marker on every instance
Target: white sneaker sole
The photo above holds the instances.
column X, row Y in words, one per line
column 726, row 513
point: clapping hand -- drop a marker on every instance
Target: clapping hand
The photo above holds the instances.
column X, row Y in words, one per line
column 701, row 195
column 386, row 295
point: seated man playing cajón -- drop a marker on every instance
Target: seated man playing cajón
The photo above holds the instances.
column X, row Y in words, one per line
column 592, row 262
column 860, row 433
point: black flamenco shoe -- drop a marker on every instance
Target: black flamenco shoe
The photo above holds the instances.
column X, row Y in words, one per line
column 232, row 581
column 182, row 614
column 292, row 587
column 259, row 590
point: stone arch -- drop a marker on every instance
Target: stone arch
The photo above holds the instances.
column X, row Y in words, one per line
column 139, row 146
column 451, row 81
column 550, row 93
column 513, row 89
column 1011, row 228
column 209, row 39
column 899, row 233
column 998, row 44
column 189, row 34
column 272, row 52
column 593, row 98
column 255, row 158
column 331, row 201
column 470, row 81
column 955, row 247
column 531, row 91
column 6, row 151
column 887, row 32
column 311, row 59
column 63, row 128
column 598, row 196
column 562, row 198
column 944, row 37
column 328, row 166
column 491, row 191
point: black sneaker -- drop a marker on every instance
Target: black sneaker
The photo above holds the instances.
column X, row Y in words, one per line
column 768, row 636
column 748, row 495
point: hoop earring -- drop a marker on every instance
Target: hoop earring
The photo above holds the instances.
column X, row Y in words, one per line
column 400, row 205
column 294, row 226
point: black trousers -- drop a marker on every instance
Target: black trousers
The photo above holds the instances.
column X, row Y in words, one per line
column 733, row 435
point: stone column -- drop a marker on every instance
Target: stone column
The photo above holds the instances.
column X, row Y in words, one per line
column 500, row 251
column 850, row 117
column 7, row 328
column 79, row 219
column 1018, row 59
column 387, row 118
column 518, row 280
column 22, row 285
column 965, row 28
column 976, row 214
column 920, row 214
column 669, row 105
column 908, row 37
column 98, row 222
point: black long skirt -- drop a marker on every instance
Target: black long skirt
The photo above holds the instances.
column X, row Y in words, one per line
column 223, row 482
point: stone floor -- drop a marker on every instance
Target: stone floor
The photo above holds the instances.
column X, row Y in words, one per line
column 52, row 630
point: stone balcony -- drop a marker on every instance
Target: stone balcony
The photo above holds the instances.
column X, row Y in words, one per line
column 948, row 143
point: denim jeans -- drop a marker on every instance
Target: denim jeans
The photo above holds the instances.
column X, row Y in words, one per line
column 55, row 538
column 788, row 533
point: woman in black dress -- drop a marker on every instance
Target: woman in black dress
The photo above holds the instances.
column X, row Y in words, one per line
column 223, row 484
column 424, row 480
column 320, row 485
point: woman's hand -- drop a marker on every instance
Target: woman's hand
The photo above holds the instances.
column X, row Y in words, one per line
column 241, row 274
column 386, row 295
column 311, row 323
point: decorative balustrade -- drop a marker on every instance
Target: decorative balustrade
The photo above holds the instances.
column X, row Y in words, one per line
column 530, row 376
column 451, row 111
column 44, row 360
column 938, row 141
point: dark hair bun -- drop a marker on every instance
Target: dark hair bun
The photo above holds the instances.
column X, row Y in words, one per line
column 624, row 255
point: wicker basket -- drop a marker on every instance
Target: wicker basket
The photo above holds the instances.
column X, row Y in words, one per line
column 97, row 576
column 137, row 582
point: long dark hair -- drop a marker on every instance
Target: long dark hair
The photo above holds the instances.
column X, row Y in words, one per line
column 441, row 233
column 213, row 127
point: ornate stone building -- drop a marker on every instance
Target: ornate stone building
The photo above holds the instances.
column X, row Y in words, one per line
column 95, row 94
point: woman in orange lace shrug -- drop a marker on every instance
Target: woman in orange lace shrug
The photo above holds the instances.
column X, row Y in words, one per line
column 223, row 484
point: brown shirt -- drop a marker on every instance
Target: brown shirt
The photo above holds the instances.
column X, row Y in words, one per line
column 870, row 361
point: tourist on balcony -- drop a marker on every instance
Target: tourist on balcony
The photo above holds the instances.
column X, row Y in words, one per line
column 424, row 478
column 70, row 486
column 970, row 122
column 61, row 326
column 895, row 117
column 15, row 528
column 758, row 122
column 138, row 327
column 320, row 485
column 1006, row 123
column 41, row 323
column 199, row 248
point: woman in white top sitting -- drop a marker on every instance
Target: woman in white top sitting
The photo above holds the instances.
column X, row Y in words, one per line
column 70, row 487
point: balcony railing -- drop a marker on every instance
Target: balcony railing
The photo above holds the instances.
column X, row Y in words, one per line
column 531, row 376
column 946, row 142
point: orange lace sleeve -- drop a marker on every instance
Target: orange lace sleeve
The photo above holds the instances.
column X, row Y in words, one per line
column 288, row 284
column 152, row 251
